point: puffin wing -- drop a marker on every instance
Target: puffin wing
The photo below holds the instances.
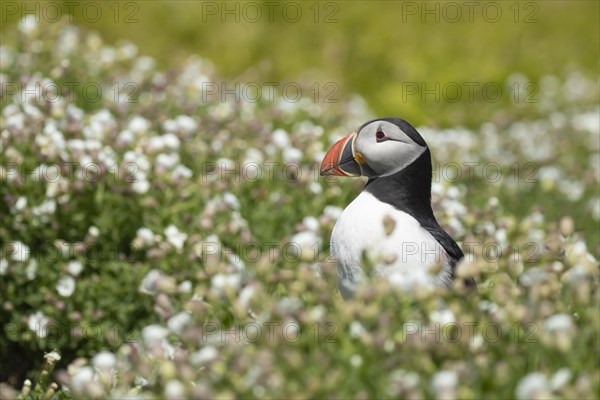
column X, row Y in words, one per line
column 449, row 245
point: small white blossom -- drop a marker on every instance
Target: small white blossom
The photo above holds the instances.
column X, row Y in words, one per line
column 175, row 236
column 37, row 322
column 533, row 386
column 3, row 266
column 154, row 334
column 66, row 286
column 74, row 268
column 104, row 360
column 82, row 379
column 148, row 285
column 178, row 321
column 204, row 356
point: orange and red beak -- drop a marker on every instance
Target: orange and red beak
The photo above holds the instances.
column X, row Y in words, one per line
column 342, row 159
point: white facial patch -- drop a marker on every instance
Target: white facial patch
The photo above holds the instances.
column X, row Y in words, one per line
column 388, row 156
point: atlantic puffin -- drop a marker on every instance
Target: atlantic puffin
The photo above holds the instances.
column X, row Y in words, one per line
column 390, row 225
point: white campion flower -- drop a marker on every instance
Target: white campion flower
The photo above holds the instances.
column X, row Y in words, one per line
column 186, row 124
column 178, row 321
column 305, row 245
column 21, row 204
column 204, row 356
column 66, row 286
column 3, row 266
column 148, row 285
column 29, row 24
column 174, row 390
column 220, row 282
column 311, row 223
column 154, row 334
column 175, row 236
column 558, row 323
column 444, row 384
column 332, row 212
column 48, row 207
column 141, row 186
column 145, row 236
column 82, row 378
column 182, row 172
column 104, row 360
column 37, row 322
column 231, row 200
column 167, row 161
column 138, row 125
column 560, row 378
column 442, row 317
column 31, row 269
column 74, row 267
column 20, row 251
column 533, row 386
column 52, row 357
column 292, row 155
column 280, row 138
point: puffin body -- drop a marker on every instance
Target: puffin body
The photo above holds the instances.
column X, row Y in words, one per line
column 389, row 231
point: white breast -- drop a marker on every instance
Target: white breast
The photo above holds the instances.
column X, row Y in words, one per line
column 404, row 256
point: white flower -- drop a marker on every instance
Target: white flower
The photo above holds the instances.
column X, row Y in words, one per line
column 185, row 287
column 281, row 138
column 221, row 282
column 145, row 236
column 178, row 321
column 332, row 212
column 175, row 237
column 186, row 124
column 31, row 269
column 154, row 334
column 138, row 125
column 29, row 24
column 52, row 357
column 21, row 203
column 181, row 171
column 444, row 384
column 148, row 285
column 204, row 355
column 20, row 251
column 311, row 223
column 558, row 323
column 141, row 186
column 442, row 317
column 93, row 231
column 305, row 245
column 356, row 360
column 356, row 329
column 66, row 286
column 174, row 390
column 292, row 155
column 167, row 161
column 533, row 386
column 560, row 378
column 246, row 295
column 37, row 322
column 231, row 200
column 3, row 266
column 82, row 379
column 74, row 268
column 104, row 360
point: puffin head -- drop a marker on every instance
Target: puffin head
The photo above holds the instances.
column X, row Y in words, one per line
column 380, row 147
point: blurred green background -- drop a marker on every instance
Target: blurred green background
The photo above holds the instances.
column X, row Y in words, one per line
column 382, row 50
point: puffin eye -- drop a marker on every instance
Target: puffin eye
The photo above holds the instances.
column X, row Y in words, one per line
column 380, row 136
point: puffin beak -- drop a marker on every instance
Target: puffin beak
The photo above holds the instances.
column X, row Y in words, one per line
column 341, row 159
